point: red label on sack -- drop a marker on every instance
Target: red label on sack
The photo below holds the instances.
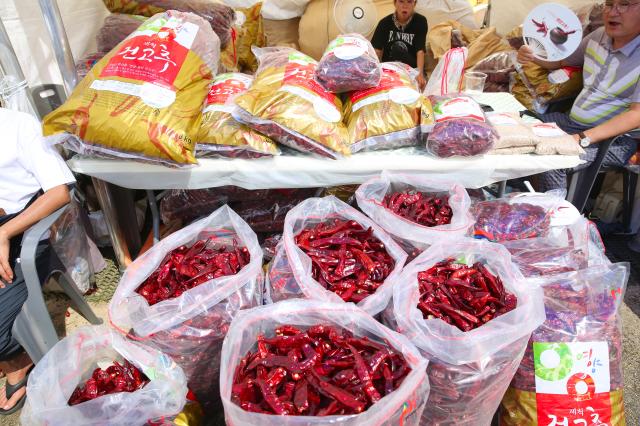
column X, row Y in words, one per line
column 225, row 86
column 390, row 80
column 566, row 410
column 300, row 71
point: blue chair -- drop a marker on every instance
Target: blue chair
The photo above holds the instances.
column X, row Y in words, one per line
column 33, row 327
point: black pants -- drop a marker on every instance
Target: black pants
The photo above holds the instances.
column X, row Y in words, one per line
column 13, row 296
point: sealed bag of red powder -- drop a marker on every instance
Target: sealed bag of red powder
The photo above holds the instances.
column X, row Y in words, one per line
column 416, row 210
column 355, row 371
column 571, row 372
column 461, row 128
column 468, row 309
column 388, row 115
column 143, row 99
column 349, row 63
column 287, row 104
column 332, row 252
column 96, row 376
column 181, row 295
column 220, row 135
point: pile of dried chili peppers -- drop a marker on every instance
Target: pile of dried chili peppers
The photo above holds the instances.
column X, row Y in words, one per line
column 347, row 259
column 420, row 207
column 499, row 220
column 318, row 372
column 189, row 266
column 461, row 295
column 124, row 377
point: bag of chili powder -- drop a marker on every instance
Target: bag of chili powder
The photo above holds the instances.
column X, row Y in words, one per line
column 416, row 210
column 190, row 323
column 143, row 99
column 572, row 367
column 332, row 252
column 402, row 406
column 469, row 371
column 71, row 363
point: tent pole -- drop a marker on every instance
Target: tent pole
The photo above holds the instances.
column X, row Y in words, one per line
column 60, row 43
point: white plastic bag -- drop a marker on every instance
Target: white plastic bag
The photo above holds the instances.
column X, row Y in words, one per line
column 468, row 371
column 290, row 271
column 414, row 237
column 447, row 76
column 72, row 361
column 279, row 10
column 402, row 407
column 190, row 328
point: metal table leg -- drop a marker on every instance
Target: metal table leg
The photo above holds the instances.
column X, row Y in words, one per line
column 116, row 234
column 502, row 188
column 155, row 215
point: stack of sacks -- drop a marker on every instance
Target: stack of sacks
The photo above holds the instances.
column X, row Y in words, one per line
column 517, row 137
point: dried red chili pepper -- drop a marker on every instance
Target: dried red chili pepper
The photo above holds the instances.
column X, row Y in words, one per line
column 187, row 267
column 346, row 258
column 124, row 377
column 461, row 295
column 318, row 372
column 420, row 207
column 499, row 220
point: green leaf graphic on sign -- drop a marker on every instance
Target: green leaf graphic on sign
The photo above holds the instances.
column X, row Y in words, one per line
column 553, row 361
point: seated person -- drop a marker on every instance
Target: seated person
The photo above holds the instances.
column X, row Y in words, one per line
column 401, row 37
column 609, row 104
column 27, row 168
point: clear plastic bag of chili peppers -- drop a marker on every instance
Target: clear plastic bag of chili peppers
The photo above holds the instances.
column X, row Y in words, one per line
column 517, row 216
column 461, row 128
column 388, row 115
column 190, row 323
column 468, row 371
column 572, row 367
column 288, row 105
column 349, row 63
column 73, row 361
column 332, row 252
column 416, row 210
column 402, row 404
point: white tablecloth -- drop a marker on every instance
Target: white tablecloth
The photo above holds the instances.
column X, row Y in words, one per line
column 292, row 171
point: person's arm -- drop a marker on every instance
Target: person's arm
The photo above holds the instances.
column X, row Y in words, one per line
column 421, row 45
column 420, row 66
column 42, row 207
column 618, row 125
column 379, row 54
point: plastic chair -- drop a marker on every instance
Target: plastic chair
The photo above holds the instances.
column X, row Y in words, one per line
column 581, row 182
column 33, row 327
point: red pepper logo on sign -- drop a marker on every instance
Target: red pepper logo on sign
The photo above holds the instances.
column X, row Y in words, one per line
column 153, row 58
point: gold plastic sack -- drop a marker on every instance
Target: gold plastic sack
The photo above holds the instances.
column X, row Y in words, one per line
column 520, row 408
column 288, row 105
column 545, row 90
column 386, row 116
column 250, row 33
column 143, row 100
column 220, row 134
column 229, row 56
column 131, row 7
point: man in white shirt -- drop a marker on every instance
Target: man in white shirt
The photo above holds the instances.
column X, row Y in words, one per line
column 27, row 168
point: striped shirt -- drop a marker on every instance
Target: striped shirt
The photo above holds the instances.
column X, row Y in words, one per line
column 611, row 78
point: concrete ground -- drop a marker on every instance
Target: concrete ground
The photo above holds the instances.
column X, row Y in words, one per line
column 616, row 250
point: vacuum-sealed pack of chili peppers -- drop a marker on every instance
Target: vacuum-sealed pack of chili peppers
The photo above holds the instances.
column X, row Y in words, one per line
column 181, row 295
column 220, row 135
column 288, row 105
column 96, row 376
column 461, row 128
column 572, row 367
column 416, row 210
column 143, row 100
column 515, row 217
column 469, row 311
column 388, row 115
column 332, row 252
column 348, row 64
column 340, row 366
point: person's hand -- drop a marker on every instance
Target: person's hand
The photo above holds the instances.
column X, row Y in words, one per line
column 576, row 137
column 421, row 82
column 6, row 274
column 525, row 55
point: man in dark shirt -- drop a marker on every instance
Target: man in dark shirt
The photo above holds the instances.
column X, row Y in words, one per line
column 401, row 37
